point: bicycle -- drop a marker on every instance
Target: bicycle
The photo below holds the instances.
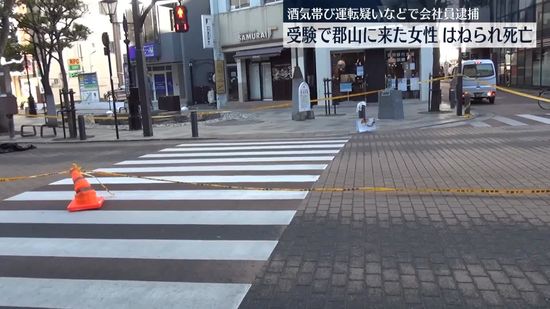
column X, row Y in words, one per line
column 544, row 93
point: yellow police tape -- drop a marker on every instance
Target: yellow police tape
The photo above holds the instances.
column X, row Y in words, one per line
column 18, row 178
column 111, row 118
column 478, row 191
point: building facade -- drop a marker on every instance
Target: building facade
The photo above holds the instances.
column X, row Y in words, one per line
column 526, row 68
column 177, row 63
column 249, row 39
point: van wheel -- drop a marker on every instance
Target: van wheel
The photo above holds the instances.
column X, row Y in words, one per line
column 492, row 100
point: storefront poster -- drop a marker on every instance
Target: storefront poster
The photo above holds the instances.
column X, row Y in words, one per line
column 346, row 87
column 89, row 88
column 360, row 70
column 415, row 83
column 402, row 84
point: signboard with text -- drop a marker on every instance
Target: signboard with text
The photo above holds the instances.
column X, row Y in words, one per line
column 89, row 87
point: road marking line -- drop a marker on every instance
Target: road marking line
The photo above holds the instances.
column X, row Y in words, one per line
column 162, row 249
column 535, row 118
column 214, row 217
column 239, row 154
column 86, row 294
column 166, row 195
column 304, row 142
column 217, row 168
column 479, row 124
column 195, row 179
column 226, row 160
column 509, row 121
column 320, row 146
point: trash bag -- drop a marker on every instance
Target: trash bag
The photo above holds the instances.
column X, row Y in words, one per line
column 12, row 147
column 366, row 126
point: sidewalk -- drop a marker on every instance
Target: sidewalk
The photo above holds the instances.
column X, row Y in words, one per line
column 253, row 121
column 384, row 250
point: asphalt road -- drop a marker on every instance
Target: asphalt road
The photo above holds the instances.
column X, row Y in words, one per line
column 165, row 240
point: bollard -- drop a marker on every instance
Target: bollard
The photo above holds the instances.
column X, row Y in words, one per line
column 194, row 124
column 82, row 127
column 467, row 103
column 11, row 126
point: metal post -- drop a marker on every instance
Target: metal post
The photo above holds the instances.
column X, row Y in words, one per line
column 430, row 92
column 191, row 95
column 72, row 117
column 113, row 96
column 63, row 111
column 467, row 104
column 31, row 103
column 82, row 128
column 459, row 88
column 11, row 126
column 194, row 124
column 144, row 99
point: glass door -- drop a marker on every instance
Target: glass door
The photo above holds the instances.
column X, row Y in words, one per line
column 254, row 81
column 267, row 86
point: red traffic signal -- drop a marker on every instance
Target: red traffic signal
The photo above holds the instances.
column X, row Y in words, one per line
column 181, row 24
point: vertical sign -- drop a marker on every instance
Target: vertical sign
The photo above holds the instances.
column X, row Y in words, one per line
column 207, row 31
column 304, row 98
column 220, row 76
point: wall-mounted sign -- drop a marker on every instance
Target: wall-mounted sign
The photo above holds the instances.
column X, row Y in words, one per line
column 150, row 50
column 257, row 35
column 219, row 76
column 207, row 31
column 74, row 64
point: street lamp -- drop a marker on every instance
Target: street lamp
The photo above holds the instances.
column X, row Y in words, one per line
column 109, row 7
column 134, row 120
column 105, row 39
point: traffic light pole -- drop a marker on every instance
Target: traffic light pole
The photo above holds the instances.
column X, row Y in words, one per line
column 141, row 70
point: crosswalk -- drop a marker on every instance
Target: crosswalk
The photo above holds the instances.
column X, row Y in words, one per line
column 518, row 120
column 157, row 243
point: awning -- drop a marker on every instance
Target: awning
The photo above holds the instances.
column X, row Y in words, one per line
column 260, row 52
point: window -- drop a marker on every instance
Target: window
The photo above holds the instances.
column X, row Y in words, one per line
column 536, row 67
column 238, row 4
column 479, row 70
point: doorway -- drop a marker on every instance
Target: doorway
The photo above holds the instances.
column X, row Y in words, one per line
column 260, row 81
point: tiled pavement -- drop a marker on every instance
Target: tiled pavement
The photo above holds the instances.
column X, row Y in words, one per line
column 367, row 250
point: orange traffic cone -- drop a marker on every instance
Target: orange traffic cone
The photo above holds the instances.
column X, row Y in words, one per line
column 86, row 197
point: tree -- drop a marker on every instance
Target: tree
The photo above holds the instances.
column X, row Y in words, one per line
column 6, row 11
column 51, row 26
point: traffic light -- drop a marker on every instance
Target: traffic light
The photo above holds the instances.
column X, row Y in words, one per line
column 181, row 24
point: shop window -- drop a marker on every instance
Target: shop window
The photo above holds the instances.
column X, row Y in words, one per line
column 528, row 66
column 521, row 67
column 536, row 67
column 239, row 4
column 546, row 18
column 546, row 67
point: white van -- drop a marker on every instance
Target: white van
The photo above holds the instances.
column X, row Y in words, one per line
column 479, row 79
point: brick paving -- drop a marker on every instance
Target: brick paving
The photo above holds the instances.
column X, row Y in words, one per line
column 359, row 250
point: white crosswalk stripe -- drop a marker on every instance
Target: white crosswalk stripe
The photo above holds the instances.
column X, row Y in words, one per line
column 520, row 120
column 509, row 121
column 159, row 243
column 536, row 118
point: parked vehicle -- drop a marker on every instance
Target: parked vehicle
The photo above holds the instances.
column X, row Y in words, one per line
column 479, row 80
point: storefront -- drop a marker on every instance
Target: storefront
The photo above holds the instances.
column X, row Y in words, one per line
column 360, row 71
column 258, row 68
